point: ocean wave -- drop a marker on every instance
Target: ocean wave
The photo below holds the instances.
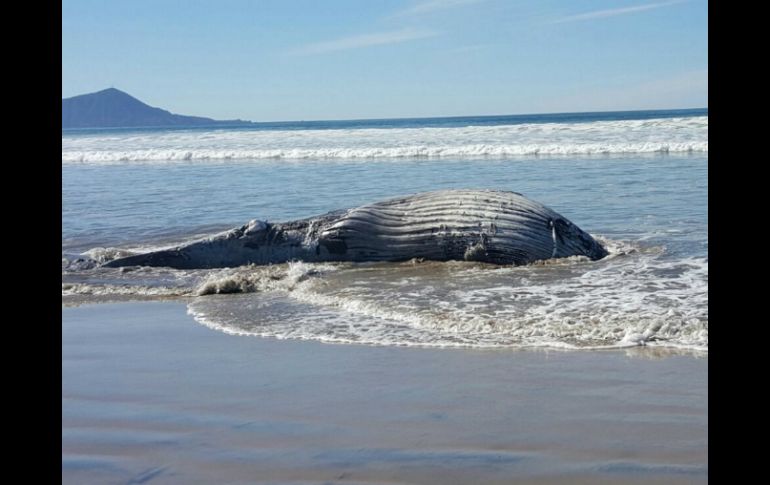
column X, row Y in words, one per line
column 253, row 279
column 123, row 290
column 670, row 135
column 472, row 151
column 637, row 297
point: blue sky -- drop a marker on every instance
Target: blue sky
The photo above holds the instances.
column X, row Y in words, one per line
column 266, row 60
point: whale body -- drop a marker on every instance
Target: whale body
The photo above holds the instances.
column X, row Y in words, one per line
column 492, row 226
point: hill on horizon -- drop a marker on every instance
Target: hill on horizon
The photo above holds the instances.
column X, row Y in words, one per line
column 113, row 108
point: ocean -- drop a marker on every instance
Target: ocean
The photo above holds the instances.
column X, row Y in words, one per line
column 637, row 181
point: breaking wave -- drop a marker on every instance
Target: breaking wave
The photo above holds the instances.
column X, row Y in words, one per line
column 668, row 135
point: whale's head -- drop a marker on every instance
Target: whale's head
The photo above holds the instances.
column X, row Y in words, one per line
column 570, row 240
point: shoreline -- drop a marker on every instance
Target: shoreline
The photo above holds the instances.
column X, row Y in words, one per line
column 650, row 349
column 150, row 394
column 646, row 350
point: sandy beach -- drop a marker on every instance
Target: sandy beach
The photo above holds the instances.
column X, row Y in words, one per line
column 151, row 396
column 421, row 242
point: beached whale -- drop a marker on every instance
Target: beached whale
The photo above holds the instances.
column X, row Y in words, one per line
column 473, row 225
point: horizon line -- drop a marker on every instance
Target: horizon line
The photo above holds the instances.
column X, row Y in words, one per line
column 553, row 113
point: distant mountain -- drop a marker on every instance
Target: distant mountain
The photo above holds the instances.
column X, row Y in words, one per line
column 112, row 108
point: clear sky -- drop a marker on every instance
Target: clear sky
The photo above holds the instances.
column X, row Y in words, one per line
column 270, row 60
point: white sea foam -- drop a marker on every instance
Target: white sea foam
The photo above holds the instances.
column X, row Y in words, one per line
column 670, row 135
column 125, row 290
column 636, row 297
column 252, row 279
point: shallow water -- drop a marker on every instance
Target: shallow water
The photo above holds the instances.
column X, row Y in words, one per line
column 650, row 209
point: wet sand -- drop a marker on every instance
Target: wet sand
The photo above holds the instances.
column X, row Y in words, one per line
column 150, row 396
